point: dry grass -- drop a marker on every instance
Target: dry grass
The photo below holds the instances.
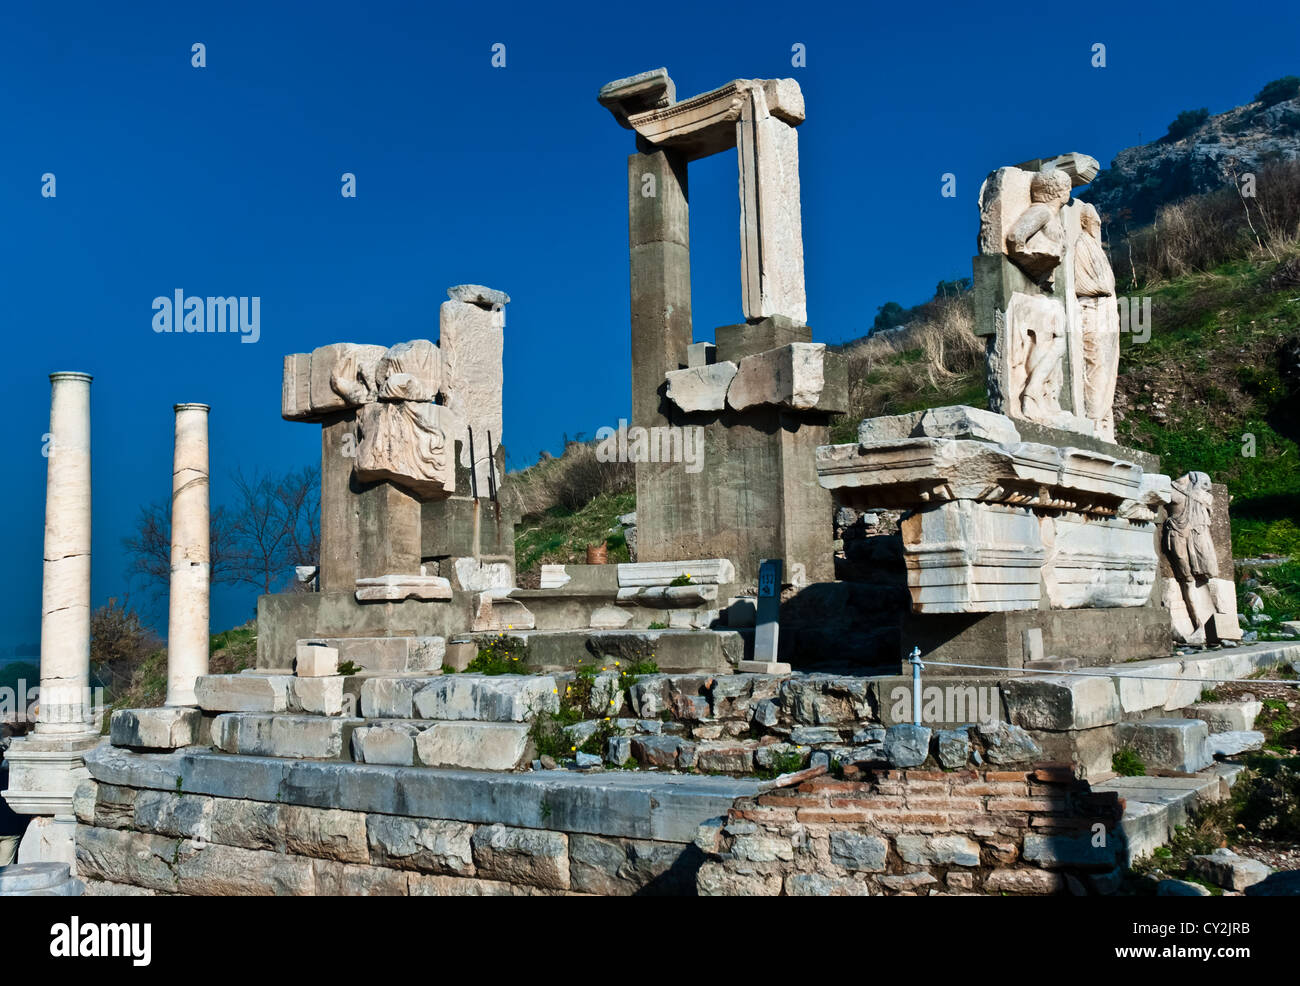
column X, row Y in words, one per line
column 569, row 482
column 937, row 353
column 1200, row 233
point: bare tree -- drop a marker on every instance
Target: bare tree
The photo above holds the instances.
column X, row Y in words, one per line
column 150, row 547
column 276, row 525
column 273, row 525
column 299, row 496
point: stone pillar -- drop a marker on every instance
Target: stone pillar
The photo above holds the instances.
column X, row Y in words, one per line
column 340, row 536
column 65, row 704
column 187, row 612
column 46, row 765
column 659, row 242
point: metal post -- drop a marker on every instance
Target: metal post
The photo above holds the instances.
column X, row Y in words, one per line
column 916, row 685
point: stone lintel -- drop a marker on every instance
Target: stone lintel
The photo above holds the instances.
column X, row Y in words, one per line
column 706, row 124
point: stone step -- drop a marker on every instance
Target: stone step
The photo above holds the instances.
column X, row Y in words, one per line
column 1229, row 744
column 673, row 650
column 1155, row 806
column 1226, row 717
column 473, row 697
column 387, row 654
column 465, row 744
column 301, row 737
column 269, row 692
column 1169, row 744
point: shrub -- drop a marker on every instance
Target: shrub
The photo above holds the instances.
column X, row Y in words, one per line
column 1187, row 121
column 1279, row 90
column 119, row 644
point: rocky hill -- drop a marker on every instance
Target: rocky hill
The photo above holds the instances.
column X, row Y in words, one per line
column 1244, row 139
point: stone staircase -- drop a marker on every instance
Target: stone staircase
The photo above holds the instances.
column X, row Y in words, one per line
column 396, row 719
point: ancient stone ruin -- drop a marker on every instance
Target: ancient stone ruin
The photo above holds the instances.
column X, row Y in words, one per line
column 1038, row 578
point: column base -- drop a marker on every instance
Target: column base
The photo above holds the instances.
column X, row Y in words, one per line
column 44, row 771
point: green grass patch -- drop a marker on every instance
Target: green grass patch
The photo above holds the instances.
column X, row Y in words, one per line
column 499, row 656
column 1127, row 763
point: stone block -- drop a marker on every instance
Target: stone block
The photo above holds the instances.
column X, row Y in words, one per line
column 621, row 867
column 701, row 354
column 526, row 856
column 1172, row 744
column 315, row 660
column 392, row 744
column 424, row 844
column 295, row 736
column 1226, row 717
column 856, row 851
column 701, row 388
column 478, row 745
column 322, row 696
column 791, row 377
column 1227, row 869
column 390, row 698
column 395, row 588
column 1069, row 852
column 701, row 571
column 155, row 729
column 488, row 698
column 954, row 747
column 907, row 745
column 1231, row 743
column 1007, row 744
column 938, row 850
column 1026, row 882
column 723, row 757
column 960, row 421
column 242, row 692
column 1061, row 702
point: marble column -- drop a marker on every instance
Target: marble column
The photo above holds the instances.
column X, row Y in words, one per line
column 46, row 765
column 187, row 612
column 66, row 706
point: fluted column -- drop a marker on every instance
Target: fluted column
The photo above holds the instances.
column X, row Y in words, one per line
column 187, row 611
column 66, row 706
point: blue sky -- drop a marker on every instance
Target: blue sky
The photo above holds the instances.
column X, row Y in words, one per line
column 225, row 180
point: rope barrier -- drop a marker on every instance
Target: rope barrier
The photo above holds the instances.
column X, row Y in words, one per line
column 1111, row 674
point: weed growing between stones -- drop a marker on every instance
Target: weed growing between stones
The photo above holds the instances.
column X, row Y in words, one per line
column 1127, row 763
column 498, row 657
column 656, row 625
column 1277, row 722
column 782, row 763
column 684, row 579
column 1264, row 806
column 349, row 668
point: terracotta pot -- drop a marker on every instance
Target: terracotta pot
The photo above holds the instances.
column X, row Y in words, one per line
column 597, row 554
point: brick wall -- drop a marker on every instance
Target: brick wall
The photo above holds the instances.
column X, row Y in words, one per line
column 1039, row 831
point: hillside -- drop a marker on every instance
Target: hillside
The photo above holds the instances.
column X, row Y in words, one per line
column 1209, row 156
